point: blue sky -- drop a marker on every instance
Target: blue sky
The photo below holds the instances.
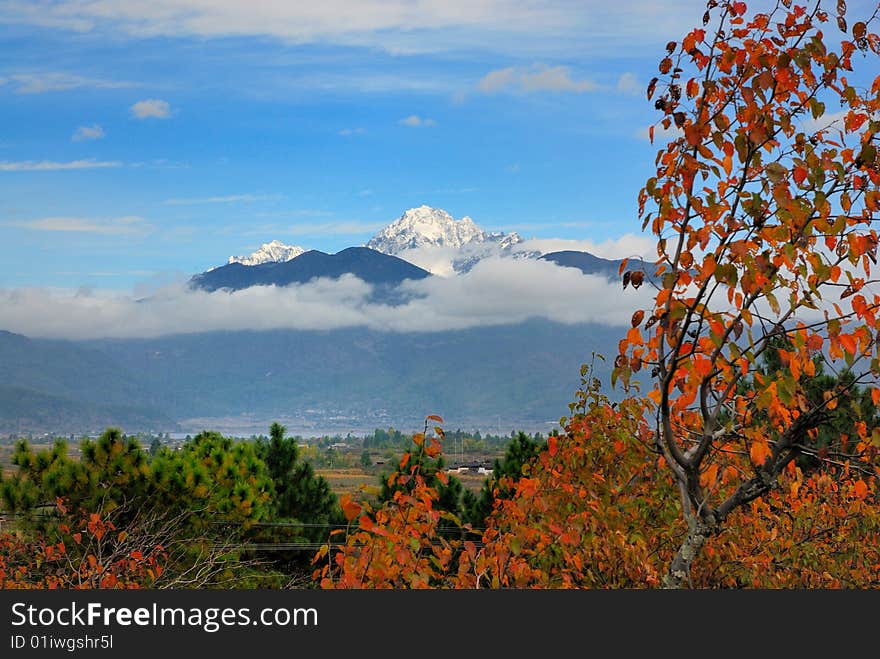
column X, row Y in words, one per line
column 144, row 140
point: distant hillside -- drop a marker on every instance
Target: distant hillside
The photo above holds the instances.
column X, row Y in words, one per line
column 77, row 385
column 369, row 265
column 510, row 375
column 24, row 411
column 524, row 372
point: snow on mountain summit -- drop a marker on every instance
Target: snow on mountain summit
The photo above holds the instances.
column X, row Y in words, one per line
column 433, row 227
column 273, row 252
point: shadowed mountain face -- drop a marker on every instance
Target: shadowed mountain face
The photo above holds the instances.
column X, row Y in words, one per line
column 366, row 264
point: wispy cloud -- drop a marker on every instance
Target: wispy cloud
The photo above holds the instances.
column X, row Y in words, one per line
column 51, row 165
column 398, row 25
column 347, row 132
column 415, row 121
column 85, row 133
column 225, row 199
column 538, row 78
column 661, row 135
column 118, row 226
column 41, row 83
column 338, row 228
column 626, row 246
column 628, row 83
column 151, row 108
column 828, row 121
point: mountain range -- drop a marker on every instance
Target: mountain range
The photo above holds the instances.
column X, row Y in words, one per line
column 366, row 264
column 522, row 373
column 382, row 260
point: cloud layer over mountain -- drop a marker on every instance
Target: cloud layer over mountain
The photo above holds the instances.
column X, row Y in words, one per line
column 496, row 291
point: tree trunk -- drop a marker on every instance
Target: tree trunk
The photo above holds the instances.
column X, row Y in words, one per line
column 679, row 575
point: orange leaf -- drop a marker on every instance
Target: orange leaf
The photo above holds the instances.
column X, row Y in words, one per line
column 634, row 336
column 350, row 509
column 553, row 445
column 848, row 342
column 702, row 367
column 861, row 489
column 708, row 477
column 759, row 452
column 434, row 417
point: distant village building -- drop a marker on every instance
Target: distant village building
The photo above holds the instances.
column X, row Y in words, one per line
column 470, row 469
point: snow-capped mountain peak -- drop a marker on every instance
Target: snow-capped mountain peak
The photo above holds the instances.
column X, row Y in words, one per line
column 434, row 227
column 272, row 252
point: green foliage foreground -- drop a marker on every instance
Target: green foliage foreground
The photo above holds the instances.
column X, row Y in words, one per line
column 207, row 503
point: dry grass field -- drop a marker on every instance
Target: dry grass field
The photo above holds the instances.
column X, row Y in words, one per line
column 366, row 482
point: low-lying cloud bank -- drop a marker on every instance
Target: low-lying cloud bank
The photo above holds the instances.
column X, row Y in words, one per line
column 495, row 292
column 446, row 261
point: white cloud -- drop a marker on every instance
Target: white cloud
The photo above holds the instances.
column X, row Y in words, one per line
column 84, row 133
column 338, row 228
column 415, row 121
column 50, row 165
column 346, row 132
column 495, row 292
column 118, row 226
column 828, row 121
column 398, row 26
column 628, row 83
column 151, row 108
column 538, row 78
column 226, row 199
column 628, row 245
column 661, row 135
column 41, row 83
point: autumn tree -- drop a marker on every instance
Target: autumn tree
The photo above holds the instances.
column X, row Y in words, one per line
column 399, row 543
column 762, row 205
column 82, row 551
column 198, row 502
column 506, row 471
